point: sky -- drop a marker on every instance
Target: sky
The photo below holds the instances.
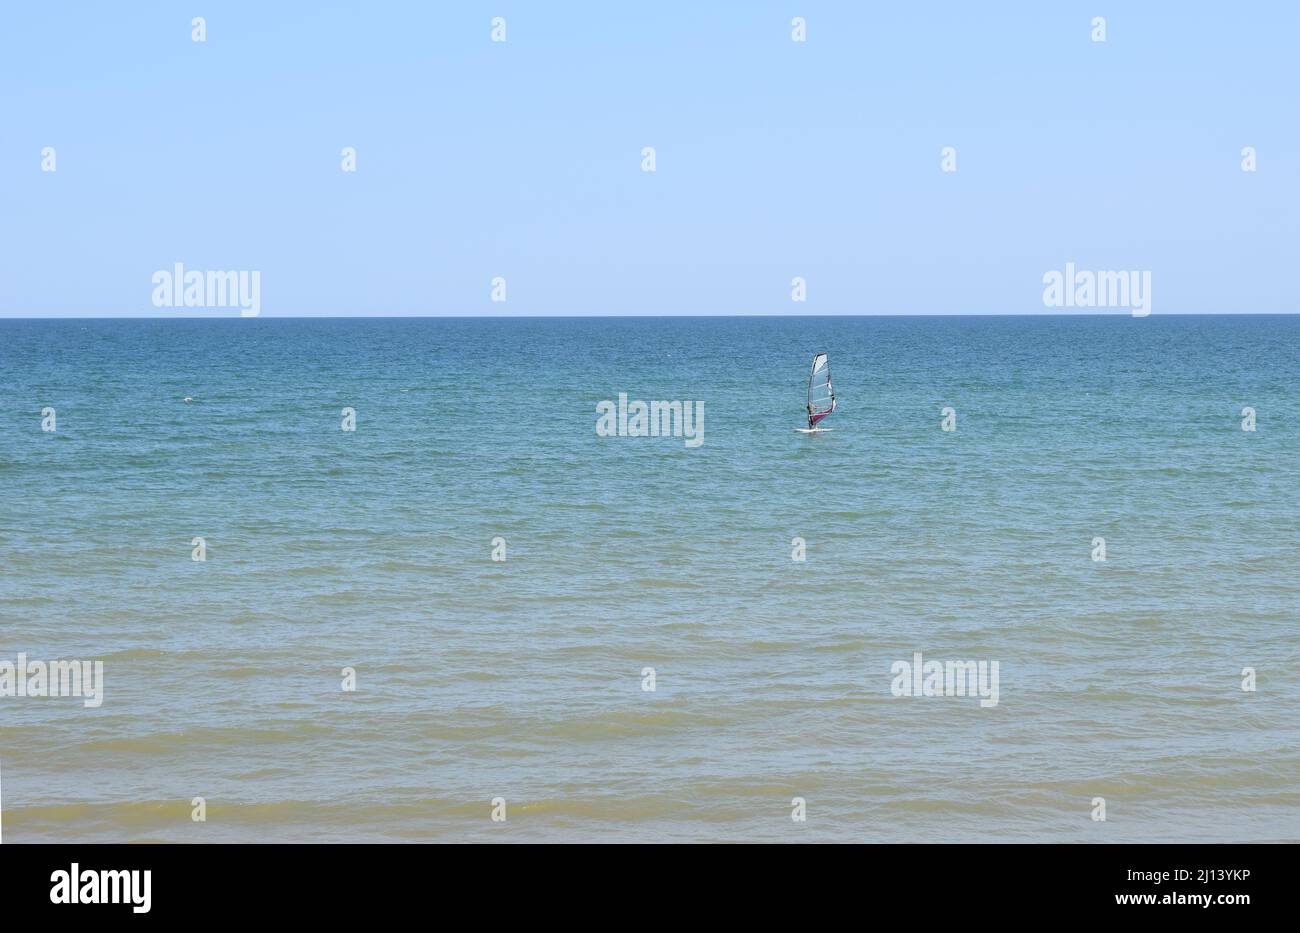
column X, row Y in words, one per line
column 774, row 159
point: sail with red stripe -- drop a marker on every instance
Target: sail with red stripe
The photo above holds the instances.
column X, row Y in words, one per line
column 821, row 395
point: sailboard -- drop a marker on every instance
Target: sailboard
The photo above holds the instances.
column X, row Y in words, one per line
column 821, row 395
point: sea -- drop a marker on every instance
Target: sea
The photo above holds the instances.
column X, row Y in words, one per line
column 435, row 604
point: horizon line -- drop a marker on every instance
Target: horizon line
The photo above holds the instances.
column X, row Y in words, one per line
column 557, row 317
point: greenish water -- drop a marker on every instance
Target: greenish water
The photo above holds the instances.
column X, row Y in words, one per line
column 522, row 678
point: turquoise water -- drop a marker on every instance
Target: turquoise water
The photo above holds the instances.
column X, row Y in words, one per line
column 522, row 678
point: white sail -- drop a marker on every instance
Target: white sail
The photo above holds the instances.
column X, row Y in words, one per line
column 821, row 395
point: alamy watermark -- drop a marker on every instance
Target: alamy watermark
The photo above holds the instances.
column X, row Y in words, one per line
column 23, row 678
column 177, row 288
column 1102, row 289
column 651, row 419
column 80, row 885
column 919, row 678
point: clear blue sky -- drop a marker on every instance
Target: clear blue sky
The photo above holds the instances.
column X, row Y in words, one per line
column 775, row 159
